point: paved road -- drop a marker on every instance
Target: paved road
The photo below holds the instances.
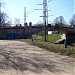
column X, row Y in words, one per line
column 20, row 58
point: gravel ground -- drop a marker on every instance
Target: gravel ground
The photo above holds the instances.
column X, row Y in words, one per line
column 20, row 58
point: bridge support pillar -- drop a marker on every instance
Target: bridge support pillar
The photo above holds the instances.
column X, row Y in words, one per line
column 30, row 29
column 26, row 30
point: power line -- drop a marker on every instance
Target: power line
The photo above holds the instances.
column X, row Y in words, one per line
column 30, row 6
column 29, row 3
column 64, row 7
column 26, row 13
column 63, row 11
column 31, row 10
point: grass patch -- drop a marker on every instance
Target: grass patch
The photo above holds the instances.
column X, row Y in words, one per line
column 50, row 37
column 70, row 51
column 53, row 37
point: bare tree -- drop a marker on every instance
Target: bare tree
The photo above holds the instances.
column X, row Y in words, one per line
column 4, row 19
column 56, row 21
column 72, row 21
column 39, row 23
column 8, row 24
column 17, row 21
column 59, row 21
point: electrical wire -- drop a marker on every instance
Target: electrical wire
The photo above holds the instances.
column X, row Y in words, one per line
column 58, row 11
column 29, row 3
column 63, row 7
column 31, row 10
column 63, row 11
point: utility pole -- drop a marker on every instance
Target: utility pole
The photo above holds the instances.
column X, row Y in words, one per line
column 24, row 15
column 45, row 15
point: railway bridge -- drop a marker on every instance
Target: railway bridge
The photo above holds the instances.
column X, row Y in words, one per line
column 27, row 31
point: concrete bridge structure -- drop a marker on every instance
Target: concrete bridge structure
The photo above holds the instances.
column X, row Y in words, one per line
column 27, row 31
column 19, row 32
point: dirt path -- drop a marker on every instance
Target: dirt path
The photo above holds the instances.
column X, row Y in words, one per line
column 20, row 58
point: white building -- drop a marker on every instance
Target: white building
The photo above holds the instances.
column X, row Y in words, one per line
column 52, row 32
